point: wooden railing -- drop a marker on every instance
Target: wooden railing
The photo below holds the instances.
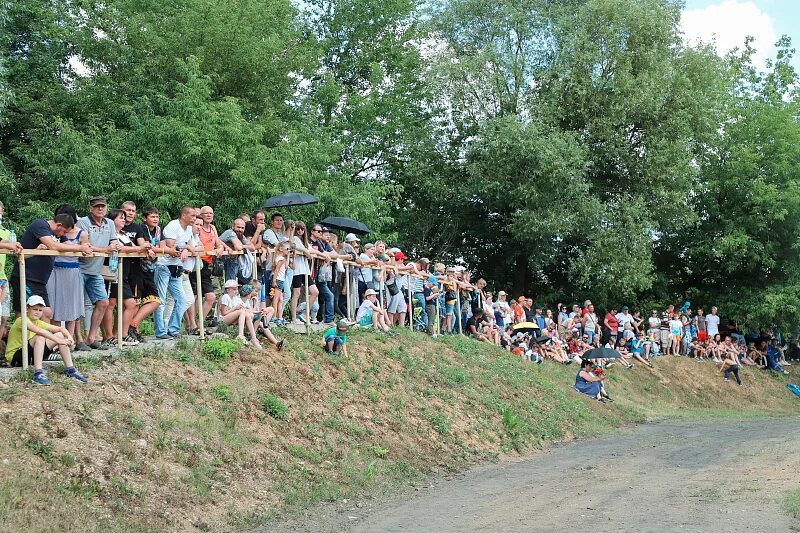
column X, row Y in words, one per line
column 199, row 300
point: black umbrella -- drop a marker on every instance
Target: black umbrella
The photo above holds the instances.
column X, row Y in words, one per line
column 346, row 224
column 289, row 198
column 601, row 353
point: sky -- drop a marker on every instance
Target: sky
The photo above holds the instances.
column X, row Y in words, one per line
column 729, row 21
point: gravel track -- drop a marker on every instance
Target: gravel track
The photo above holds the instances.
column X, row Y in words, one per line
column 717, row 475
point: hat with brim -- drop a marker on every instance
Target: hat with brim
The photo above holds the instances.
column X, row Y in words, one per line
column 231, row 284
column 351, row 237
column 36, row 300
column 94, row 201
column 369, row 292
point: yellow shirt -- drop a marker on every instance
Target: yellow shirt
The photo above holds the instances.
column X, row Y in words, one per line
column 15, row 336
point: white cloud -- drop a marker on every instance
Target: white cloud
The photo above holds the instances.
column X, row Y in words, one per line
column 727, row 24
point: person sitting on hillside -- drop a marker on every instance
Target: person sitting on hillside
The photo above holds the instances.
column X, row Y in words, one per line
column 370, row 313
column 773, row 355
column 335, row 339
column 233, row 310
column 476, row 325
column 41, row 336
column 589, row 381
column 637, row 348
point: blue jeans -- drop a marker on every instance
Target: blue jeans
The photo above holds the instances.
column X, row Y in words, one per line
column 423, row 315
column 326, row 297
column 166, row 283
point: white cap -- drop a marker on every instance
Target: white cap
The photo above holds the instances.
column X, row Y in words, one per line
column 35, row 300
column 231, row 283
column 369, row 292
column 351, row 237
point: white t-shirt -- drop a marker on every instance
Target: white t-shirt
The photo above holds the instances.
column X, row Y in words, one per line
column 364, row 309
column 181, row 235
column 230, row 301
column 675, row 327
column 712, row 325
column 188, row 265
column 625, row 320
column 654, row 322
column 300, row 262
column 366, row 272
column 591, row 322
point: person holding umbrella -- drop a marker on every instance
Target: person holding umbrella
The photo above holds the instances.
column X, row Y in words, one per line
column 589, row 381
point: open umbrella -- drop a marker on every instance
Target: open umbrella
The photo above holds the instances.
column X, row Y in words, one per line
column 289, row 198
column 346, row 224
column 526, row 326
column 601, row 353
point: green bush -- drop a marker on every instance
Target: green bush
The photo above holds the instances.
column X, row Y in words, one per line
column 220, row 349
column 222, row 392
column 273, row 406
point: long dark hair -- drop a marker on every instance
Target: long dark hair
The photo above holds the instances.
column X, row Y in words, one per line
column 585, row 363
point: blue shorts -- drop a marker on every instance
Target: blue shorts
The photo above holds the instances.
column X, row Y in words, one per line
column 365, row 320
column 95, row 287
column 280, row 284
column 337, row 342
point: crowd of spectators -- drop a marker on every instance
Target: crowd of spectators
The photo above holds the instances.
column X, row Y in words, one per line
column 270, row 271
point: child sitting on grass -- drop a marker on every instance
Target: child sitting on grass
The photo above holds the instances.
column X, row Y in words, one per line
column 335, row 339
column 41, row 335
column 370, row 313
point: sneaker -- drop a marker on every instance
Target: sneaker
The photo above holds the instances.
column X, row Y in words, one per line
column 41, row 379
column 174, row 335
column 629, row 366
column 97, row 345
column 726, row 380
column 279, row 346
column 77, row 376
column 164, row 337
column 784, row 372
column 609, row 365
column 784, row 363
column 82, row 347
column 130, row 340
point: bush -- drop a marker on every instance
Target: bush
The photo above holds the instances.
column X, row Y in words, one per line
column 220, row 349
column 273, row 406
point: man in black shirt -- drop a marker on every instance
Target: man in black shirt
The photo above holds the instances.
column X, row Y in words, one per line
column 38, row 268
column 475, row 325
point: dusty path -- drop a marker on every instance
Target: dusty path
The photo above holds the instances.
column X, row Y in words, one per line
column 688, row 476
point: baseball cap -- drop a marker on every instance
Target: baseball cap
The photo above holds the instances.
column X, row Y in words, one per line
column 231, row 283
column 369, row 246
column 369, row 292
column 351, row 237
column 94, row 201
column 35, row 300
column 501, row 293
column 624, row 307
column 398, row 255
column 343, row 325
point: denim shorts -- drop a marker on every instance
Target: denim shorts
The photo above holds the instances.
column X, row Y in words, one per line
column 95, row 287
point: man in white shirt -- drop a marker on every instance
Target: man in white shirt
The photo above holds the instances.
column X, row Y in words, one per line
column 712, row 323
column 169, row 269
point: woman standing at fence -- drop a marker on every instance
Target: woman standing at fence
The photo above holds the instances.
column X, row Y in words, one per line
column 65, row 286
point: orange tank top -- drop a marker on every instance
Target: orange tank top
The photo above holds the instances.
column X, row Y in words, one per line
column 208, row 240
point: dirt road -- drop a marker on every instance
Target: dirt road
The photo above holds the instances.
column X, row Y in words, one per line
column 687, row 476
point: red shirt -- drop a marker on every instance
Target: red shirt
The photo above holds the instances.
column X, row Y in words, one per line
column 613, row 323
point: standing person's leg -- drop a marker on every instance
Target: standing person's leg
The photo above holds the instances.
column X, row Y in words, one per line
column 293, row 303
column 175, row 288
column 423, row 313
column 162, row 277
column 96, row 291
column 313, row 294
column 431, row 314
column 326, row 297
column 189, row 308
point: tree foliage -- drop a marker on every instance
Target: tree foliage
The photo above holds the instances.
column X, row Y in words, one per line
column 565, row 149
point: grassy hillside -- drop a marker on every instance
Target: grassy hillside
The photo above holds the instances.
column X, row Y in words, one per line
column 199, row 439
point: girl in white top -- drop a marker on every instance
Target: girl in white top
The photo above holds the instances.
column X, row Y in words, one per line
column 301, row 270
column 280, row 266
column 232, row 309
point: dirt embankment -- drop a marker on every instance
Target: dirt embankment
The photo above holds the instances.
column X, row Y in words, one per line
column 181, row 441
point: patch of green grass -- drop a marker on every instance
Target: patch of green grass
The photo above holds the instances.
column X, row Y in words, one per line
column 440, row 423
column 791, row 503
column 453, row 375
column 220, row 349
column 7, row 394
column 273, row 406
column 221, row 392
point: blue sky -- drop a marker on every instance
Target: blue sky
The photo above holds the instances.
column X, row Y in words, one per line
column 731, row 20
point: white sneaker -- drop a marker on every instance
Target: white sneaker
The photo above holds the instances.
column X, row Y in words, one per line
column 784, row 363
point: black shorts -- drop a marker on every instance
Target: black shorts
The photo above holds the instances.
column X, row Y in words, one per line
column 145, row 292
column 16, row 360
column 299, row 280
column 127, row 293
column 34, row 289
column 205, row 280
